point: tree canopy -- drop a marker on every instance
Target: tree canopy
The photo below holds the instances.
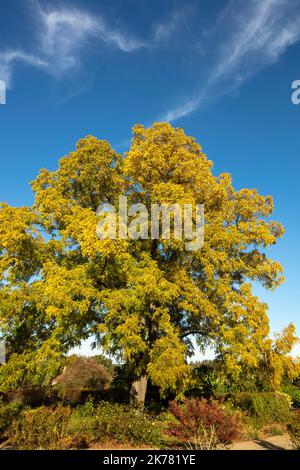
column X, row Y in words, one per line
column 146, row 302
column 81, row 374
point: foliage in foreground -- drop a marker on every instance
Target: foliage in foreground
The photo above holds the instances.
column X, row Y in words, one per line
column 8, row 412
column 62, row 427
column 194, row 423
column 294, row 393
column 40, row 428
column 264, row 407
column 114, row 422
column 294, row 430
column 205, row 424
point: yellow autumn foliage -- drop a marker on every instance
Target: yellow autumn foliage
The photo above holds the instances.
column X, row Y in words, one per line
column 143, row 301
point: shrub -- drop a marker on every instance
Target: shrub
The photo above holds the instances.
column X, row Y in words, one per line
column 208, row 379
column 264, row 407
column 204, row 424
column 105, row 362
column 293, row 429
column 127, row 424
column 8, row 411
column 119, row 423
column 62, row 427
column 31, row 395
column 40, row 428
column 82, row 430
column 81, row 374
column 294, row 394
column 83, row 425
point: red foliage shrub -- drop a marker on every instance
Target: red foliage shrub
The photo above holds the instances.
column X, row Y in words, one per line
column 201, row 421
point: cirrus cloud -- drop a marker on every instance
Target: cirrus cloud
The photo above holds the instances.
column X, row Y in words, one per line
column 255, row 36
column 61, row 37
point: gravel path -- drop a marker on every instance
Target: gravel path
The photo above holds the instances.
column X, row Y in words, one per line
column 270, row 443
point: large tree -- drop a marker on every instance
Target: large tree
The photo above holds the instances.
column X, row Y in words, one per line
column 147, row 302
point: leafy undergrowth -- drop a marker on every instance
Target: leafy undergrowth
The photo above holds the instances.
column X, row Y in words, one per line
column 63, row 428
column 194, row 423
column 294, row 430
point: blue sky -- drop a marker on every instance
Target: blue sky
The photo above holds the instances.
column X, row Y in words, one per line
column 220, row 69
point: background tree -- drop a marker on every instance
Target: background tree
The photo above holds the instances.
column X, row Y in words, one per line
column 106, row 362
column 146, row 302
column 81, row 374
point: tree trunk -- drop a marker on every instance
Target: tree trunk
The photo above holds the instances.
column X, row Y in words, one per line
column 138, row 391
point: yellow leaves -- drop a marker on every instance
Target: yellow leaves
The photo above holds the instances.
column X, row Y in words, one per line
column 286, row 340
column 167, row 367
column 232, row 366
column 260, row 232
column 268, row 361
column 165, row 154
column 67, row 292
column 193, row 301
column 140, row 297
column 81, row 226
column 171, row 193
column 85, row 178
column 20, row 243
column 130, row 338
column 277, row 363
column 250, row 204
column 150, row 282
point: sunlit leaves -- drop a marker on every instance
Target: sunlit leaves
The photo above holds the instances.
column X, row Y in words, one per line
column 142, row 300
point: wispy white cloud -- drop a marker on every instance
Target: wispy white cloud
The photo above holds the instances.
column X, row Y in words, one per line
column 259, row 34
column 165, row 30
column 9, row 59
column 182, row 110
column 64, row 32
column 61, row 37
